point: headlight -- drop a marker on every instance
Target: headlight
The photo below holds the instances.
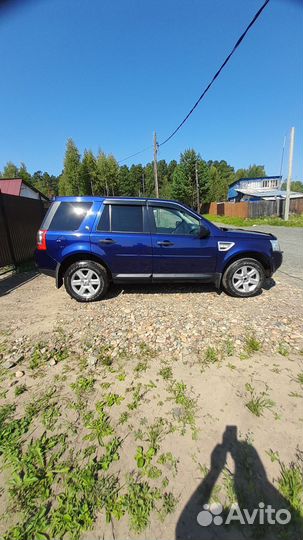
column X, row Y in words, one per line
column 275, row 245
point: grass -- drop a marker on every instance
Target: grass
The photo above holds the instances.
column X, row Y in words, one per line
column 211, row 355
column 257, row 403
column 294, row 221
column 252, row 344
column 186, row 414
column 20, row 389
column 283, row 349
column 299, row 378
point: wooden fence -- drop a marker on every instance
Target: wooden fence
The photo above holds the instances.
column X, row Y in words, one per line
column 255, row 209
column 20, row 219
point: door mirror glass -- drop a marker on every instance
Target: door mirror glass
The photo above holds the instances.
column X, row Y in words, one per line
column 204, row 232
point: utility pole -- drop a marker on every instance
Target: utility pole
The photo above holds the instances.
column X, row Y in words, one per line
column 197, row 187
column 156, row 165
column 291, row 154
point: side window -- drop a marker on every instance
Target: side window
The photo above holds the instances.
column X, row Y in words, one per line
column 121, row 218
column 173, row 221
column 126, row 218
column 67, row 217
column 103, row 224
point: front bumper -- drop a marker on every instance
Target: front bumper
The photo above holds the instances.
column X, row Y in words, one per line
column 276, row 260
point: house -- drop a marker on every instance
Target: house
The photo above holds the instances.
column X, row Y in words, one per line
column 256, row 189
column 20, row 188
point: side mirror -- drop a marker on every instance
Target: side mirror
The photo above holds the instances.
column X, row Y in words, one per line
column 204, row 232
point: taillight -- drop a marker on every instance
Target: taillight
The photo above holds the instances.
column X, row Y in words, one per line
column 41, row 240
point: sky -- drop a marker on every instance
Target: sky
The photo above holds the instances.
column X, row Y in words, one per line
column 109, row 72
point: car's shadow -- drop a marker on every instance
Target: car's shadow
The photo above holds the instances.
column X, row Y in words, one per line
column 13, row 281
column 172, row 288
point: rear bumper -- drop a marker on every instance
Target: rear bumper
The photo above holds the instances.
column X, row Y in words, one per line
column 47, row 271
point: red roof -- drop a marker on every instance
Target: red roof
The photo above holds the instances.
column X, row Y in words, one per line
column 11, row 187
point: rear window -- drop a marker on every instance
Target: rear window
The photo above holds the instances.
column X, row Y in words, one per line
column 65, row 216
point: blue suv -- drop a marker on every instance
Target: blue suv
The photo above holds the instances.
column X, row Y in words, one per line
column 89, row 242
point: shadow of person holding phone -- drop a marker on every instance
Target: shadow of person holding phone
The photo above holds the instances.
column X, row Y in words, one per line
column 271, row 515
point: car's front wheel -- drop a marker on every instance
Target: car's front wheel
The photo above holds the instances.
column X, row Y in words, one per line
column 86, row 281
column 244, row 278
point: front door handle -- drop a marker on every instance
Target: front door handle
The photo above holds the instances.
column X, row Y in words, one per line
column 165, row 243
column 107, row 241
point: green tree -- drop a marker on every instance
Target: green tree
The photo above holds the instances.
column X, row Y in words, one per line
column 87, row 174
column 10, row 170
column 181, row 186
column 107, row 175
column 24, row 174
column 296, row 186
column 69, row 183
column 253, row 171
column 218, row 186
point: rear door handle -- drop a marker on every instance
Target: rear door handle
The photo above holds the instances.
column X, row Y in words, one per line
column 165, row 243
column 107, row 241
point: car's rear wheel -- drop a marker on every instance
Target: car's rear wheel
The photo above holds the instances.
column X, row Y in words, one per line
column 244, row 278
column 86, row 281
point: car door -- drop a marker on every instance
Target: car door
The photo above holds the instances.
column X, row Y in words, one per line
column 178, row 250
column 121, row 237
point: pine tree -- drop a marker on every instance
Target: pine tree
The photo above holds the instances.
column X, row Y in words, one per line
column 87, row 174
column 181, row 186
column 69, row 183
column 10, row 170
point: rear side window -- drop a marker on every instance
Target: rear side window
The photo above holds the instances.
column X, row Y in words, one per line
column 66, row 216
column 121, row 218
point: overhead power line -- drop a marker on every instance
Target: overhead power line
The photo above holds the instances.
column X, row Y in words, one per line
column 257, row 15
column 136, row 153
column 237, row 44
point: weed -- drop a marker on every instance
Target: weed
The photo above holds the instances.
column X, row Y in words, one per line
column 111, row 453
column 123, row 417
column 142, row 458
column 166, row 373
column 169, row 504
column 83, row 385
column 299, row 378
column 141, row 366
column 38, row 358
column 20, row 389
column 140, row 501
column 146, row 351
column 283, row 349
column 229, row 486
column 295, row 395
column 50, row 416
column 104, row 356
column 211, row 355
column 257, row 403
column 100, row 426
column 231, row 366
column 113, row 399
column 274, row 456
column 229, row 347
column 121, row 376
column 169, row 461
column 252, row 344
column 185, row 415
column 290, row 485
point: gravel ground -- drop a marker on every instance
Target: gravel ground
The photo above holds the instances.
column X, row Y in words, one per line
column 173, row 319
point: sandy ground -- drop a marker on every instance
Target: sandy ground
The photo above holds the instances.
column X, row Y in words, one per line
column 177, row 325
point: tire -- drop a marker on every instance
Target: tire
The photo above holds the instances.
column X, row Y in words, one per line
column 86, row 281
column 243, row 278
